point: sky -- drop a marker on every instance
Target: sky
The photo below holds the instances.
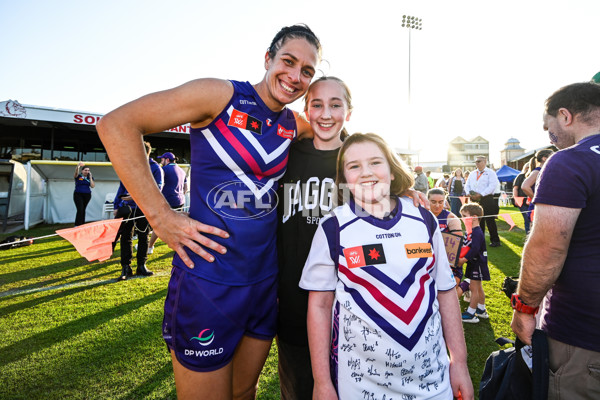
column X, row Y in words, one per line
column 478, row 68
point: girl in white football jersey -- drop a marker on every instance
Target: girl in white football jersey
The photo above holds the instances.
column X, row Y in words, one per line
column 381, row 309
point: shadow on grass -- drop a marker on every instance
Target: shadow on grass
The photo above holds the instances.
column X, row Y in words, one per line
column 43, row 270
column 130, row 357
column 28, row 254
column 67, row 280
column 66, row 331
column 152, row 383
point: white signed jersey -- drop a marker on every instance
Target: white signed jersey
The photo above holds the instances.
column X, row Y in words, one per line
column 387, row 339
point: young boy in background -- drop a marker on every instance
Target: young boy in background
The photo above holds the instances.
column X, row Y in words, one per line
column 477, row 267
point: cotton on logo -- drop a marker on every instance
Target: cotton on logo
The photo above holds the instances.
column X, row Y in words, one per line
column 235, row 200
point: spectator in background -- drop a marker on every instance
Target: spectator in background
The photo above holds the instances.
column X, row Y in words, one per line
column 481, row 185
column 443, row 182
column 421, row 181
column 561, row 259
column 430, row 179
column 174, row 189
column 518, row 192
column 123, row 200
column 84, row 183
column 535, row 166
column 456, row 189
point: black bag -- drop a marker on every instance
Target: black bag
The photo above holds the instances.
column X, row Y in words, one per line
column 509, row 286
column 506, row 376
column 123, row 212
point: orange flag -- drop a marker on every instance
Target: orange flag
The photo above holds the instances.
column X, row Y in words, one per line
column 519, row 201
column 508, row 220
column 462, row 199
column 468, row 224
column 94, row 240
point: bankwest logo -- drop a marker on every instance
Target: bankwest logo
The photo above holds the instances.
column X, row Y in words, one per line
column 418, row 250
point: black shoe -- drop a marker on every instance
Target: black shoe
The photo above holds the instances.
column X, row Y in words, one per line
column 125, row 272
column 495, row 244
column 142, row 270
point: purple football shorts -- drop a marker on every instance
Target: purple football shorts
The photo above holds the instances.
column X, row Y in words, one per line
column 205, row 321
column 478, row 272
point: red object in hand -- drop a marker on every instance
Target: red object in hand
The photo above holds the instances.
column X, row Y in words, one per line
column 464, row 250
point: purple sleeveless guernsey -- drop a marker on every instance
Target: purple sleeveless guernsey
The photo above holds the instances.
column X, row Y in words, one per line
column 443, row 220
column 236, row 162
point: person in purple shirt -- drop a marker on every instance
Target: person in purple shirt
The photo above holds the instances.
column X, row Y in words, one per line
column 561, row 259
column 131, row 222
column 173, row 190
column 82, row 195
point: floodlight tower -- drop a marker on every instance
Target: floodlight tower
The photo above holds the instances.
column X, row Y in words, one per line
column 410, row 22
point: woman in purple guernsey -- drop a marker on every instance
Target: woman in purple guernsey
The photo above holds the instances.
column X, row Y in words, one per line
column 220, row 311
column 83, row 193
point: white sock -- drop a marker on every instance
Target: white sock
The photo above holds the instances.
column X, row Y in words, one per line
column 471, row 310
column 481, row 306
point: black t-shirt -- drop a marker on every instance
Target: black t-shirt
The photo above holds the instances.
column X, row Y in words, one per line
column 305, row 195
column 519, row 182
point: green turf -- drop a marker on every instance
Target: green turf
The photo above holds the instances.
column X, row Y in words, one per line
column 68, row 329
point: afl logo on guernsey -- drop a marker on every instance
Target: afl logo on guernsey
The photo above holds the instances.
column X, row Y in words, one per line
column 244, row 121
column 234, row 200
column 361, row 256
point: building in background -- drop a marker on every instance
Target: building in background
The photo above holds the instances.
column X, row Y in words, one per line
column 519, row 161
column 512, row 151
column 44, row 133
column 462, row 153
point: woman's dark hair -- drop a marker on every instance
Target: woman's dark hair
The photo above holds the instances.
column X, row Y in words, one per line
column 539, row 156
column 299, row 31
column 436, row 191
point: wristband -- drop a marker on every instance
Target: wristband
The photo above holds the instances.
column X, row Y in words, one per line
column 518, row 305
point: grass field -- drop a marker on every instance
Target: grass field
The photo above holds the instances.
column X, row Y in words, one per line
column 68, row 329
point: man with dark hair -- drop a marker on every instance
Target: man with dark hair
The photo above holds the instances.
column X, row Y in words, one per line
column 481, row 186
column 561, row 259
column 123, row 200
